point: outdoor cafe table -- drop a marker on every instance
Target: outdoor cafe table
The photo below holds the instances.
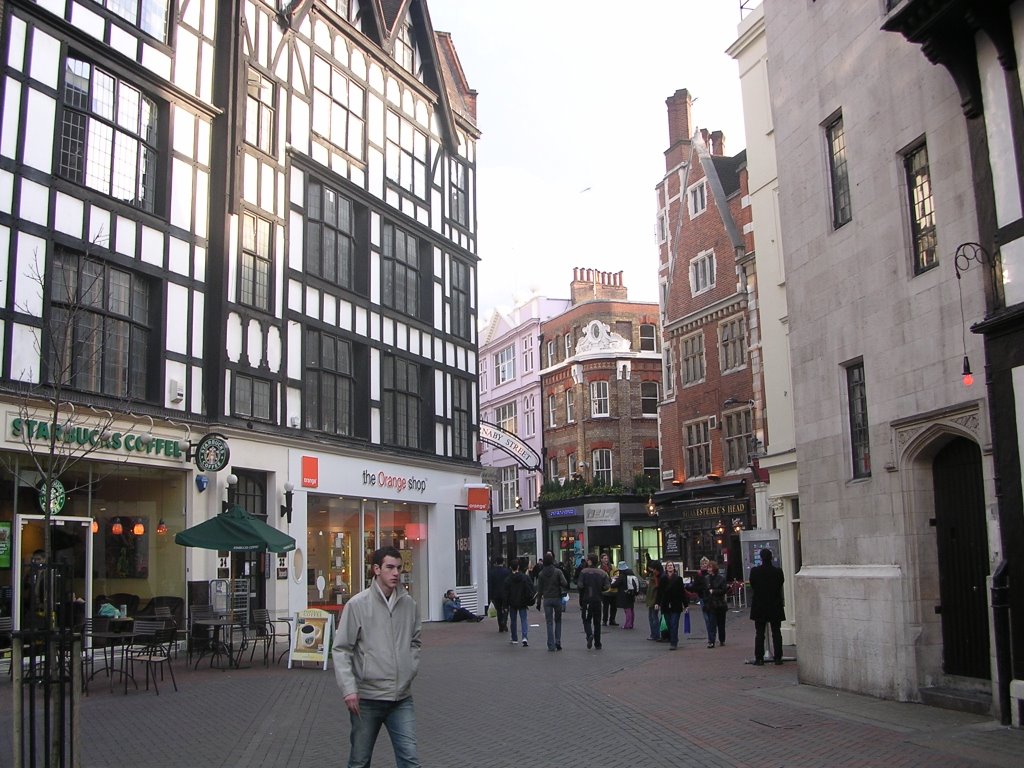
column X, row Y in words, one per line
column 218, row 645
column 118, row 636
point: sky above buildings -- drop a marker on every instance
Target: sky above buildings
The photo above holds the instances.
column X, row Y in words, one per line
column 572, row 109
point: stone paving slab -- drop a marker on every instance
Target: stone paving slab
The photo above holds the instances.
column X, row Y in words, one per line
column 481, row 701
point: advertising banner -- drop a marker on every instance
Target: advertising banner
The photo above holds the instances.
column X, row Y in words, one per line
column 5, row 545
column 311, row 637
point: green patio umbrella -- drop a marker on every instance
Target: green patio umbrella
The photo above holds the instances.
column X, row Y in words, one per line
column 236, row 530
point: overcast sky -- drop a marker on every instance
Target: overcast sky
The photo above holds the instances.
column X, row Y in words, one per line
column 572, row 109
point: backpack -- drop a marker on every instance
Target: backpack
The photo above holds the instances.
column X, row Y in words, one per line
column 632, row 584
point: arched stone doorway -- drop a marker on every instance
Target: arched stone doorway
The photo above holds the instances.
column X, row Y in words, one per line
column 961, row 539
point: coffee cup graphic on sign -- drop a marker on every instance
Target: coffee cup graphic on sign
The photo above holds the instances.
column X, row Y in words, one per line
column 307, row 635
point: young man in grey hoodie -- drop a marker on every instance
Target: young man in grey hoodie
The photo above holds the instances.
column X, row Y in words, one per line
column 377, row 684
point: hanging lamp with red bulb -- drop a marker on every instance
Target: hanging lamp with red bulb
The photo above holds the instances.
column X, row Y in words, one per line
column 117, row 529
column 968, row 377
column 161, row 527
column 95, row 525
column 138, row 529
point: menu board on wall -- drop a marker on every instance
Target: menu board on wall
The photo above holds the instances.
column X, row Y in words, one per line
column 311, row 637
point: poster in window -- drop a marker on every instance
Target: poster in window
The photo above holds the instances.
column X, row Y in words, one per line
column 126, row 554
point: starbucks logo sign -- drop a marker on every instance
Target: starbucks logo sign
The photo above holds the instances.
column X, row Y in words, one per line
column 57, row 497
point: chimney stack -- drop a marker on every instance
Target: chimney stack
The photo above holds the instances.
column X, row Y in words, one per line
column 679, row 104
column 591, row 284
column 718, row 143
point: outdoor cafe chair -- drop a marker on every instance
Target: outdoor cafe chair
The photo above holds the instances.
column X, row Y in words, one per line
column 151, row 645
column 198, row 637
column 267, row 633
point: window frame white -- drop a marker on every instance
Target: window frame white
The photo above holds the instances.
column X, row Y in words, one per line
column 505, row 365
column 601, row 462
column 697, row 198
column 570, row 406
column 703, row 272
column 600, row 395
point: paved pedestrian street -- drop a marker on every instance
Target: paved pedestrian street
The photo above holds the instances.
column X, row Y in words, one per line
column 481, row 701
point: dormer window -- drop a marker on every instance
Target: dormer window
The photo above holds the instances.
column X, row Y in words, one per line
column 406, row 53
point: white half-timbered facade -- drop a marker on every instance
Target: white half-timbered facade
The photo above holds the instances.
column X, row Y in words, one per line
column 253, row 220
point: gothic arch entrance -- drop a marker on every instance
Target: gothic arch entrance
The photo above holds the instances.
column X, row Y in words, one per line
column 962, row 543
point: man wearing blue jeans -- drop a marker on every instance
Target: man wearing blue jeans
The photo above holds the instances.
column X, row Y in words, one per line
column 377, row 683
column 551, row 584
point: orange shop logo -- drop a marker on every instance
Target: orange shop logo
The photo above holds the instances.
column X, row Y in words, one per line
column 310, row 472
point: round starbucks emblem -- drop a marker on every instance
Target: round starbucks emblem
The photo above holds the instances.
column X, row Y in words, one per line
column 212, row 453
column 57, row 497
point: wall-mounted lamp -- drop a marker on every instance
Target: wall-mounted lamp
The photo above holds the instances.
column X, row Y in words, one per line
column 965, row 254
column 714, row 476
column 734, row 401
column 286, row 508
column 232, row 481
column 651, row 510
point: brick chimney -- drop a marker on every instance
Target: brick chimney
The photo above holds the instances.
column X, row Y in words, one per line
column 590, row 284
column 678, row 104
column 718, row 143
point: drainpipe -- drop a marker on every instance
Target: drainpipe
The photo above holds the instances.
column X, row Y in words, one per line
column 1001, row 630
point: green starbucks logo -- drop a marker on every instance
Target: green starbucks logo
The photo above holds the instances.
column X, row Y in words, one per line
column 57, row 497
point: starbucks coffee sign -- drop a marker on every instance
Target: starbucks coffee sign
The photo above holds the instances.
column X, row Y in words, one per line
column 36, row 434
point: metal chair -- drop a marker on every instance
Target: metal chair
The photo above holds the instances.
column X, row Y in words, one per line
column 267, row 633
column 151, row 645
column 198, row 638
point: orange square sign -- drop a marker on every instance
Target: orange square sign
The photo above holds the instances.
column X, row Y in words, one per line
column 478, row 497
column 310, row 472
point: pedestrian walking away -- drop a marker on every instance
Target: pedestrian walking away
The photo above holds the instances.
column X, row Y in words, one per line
column 608, row 603
column 715, row 588
column 767, row 605
column 551, row 585
column 520, row 593
column 651, row 599
column 497, row 576
column 376, row 657
column 592, row 583
column 673, row 601
column 626, row 585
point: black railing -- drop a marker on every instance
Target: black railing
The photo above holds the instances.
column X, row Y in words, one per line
column 47, row 677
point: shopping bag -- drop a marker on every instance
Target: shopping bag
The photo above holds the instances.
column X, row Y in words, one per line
column 686, row 622
column 664, row 624
column 492, row 612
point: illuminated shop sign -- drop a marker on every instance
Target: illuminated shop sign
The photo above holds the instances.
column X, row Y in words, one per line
column 35, row 432
column 396, row 483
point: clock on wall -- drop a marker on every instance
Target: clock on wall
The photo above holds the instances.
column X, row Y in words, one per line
column 212, row 453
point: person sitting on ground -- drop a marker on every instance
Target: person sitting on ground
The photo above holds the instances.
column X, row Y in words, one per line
column 453, row 610
column 107, row 609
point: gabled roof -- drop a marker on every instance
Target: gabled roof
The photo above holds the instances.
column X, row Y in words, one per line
column 722, row 177
column 728, row 171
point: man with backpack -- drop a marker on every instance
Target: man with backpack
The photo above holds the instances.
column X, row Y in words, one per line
column 520, row 595
column 592, row 583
